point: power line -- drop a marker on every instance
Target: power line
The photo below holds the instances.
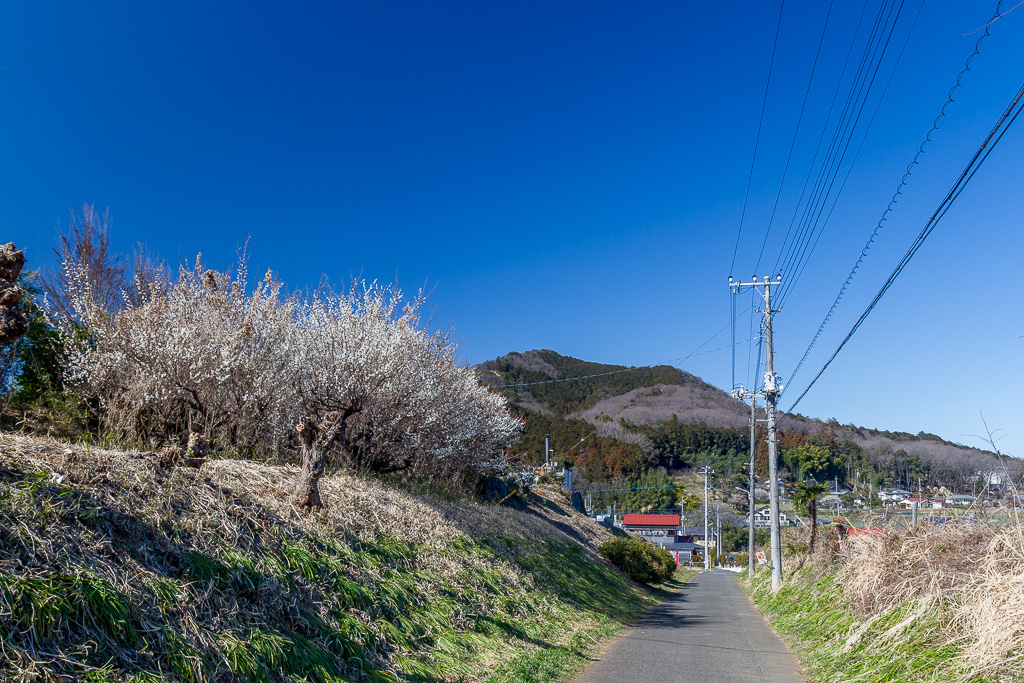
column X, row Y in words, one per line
column 793, row 280
column 753, row 307
column 792, row 144
column 899, row 190
column 757, row 139
column 732, row 315
column 828, row 159
column 821, row 138
column 1002, row 125
column 843, row 138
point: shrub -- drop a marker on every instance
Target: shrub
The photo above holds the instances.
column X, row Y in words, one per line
column 641, row 560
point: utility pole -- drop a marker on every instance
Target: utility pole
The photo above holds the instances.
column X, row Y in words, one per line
column 772, row 389
column 718, row 532
column 707, row 541
column 547, row 449
column 742, row 395
column 751, row 478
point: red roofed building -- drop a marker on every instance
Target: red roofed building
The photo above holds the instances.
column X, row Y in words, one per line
column 666, row 532
column 657, row 528
column 646, row 521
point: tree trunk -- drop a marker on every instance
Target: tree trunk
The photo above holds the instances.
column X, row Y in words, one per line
column 314, row 457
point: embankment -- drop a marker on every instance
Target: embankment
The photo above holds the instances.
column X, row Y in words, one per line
column 112, row 568
column 933, row 603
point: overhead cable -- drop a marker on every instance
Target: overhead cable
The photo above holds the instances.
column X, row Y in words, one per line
column 796, row 132
column 824, row 128
column 1007, row 119
column 841, row 139
column 795, row 278
column 788, row 246
column 899, row 191
column 757, row 139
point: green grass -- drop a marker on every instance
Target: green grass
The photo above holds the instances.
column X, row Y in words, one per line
column 48, row 602
column 905, row 644
column 138, row 598
column 561, row 662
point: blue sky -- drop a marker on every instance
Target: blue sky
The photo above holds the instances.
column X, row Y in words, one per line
column 564, row 175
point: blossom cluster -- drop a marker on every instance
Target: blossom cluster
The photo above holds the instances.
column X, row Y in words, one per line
column 243, row 365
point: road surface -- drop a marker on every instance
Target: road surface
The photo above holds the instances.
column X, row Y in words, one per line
column 706, row 632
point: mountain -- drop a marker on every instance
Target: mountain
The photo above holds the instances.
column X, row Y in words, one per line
column 668, row 418
column 541, row 379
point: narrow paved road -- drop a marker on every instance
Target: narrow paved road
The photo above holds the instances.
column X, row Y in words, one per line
column 706, row 632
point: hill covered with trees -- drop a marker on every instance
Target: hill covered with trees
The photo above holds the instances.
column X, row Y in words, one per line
column 635, row 420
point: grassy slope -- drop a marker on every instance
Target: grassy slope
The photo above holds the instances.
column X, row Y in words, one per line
column 114, row 569
column 834, row 644
column 938, row 603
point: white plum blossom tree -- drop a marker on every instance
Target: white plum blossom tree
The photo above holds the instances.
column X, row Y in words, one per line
column 204, row 355
column 354, row 377
column 386, row 394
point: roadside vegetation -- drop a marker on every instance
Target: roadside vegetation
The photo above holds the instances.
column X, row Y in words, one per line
column 115, row 568
column 936, row 602
column 642, row 561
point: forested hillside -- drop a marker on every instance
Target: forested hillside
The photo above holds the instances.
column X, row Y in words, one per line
column 528, row 378
column 634, row 420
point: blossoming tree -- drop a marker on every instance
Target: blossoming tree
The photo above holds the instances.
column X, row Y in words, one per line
column 366, row 383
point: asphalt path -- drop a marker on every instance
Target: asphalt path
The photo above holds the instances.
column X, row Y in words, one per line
column 707, row 631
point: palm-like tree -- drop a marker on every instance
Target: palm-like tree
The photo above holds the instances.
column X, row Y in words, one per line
column 806, row 497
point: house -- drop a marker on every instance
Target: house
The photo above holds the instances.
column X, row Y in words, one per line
column 923, row 503
column 960, row 499
column 992, row 479
column 762, row 517
column 660, row 529
column 894, row 496
column 685, row 552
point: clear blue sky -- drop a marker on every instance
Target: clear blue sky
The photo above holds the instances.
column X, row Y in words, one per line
column 567, row 175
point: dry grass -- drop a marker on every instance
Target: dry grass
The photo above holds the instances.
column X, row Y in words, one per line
column 964, row 581
column 991, row 609
column 355, row 506
column 105, row 554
